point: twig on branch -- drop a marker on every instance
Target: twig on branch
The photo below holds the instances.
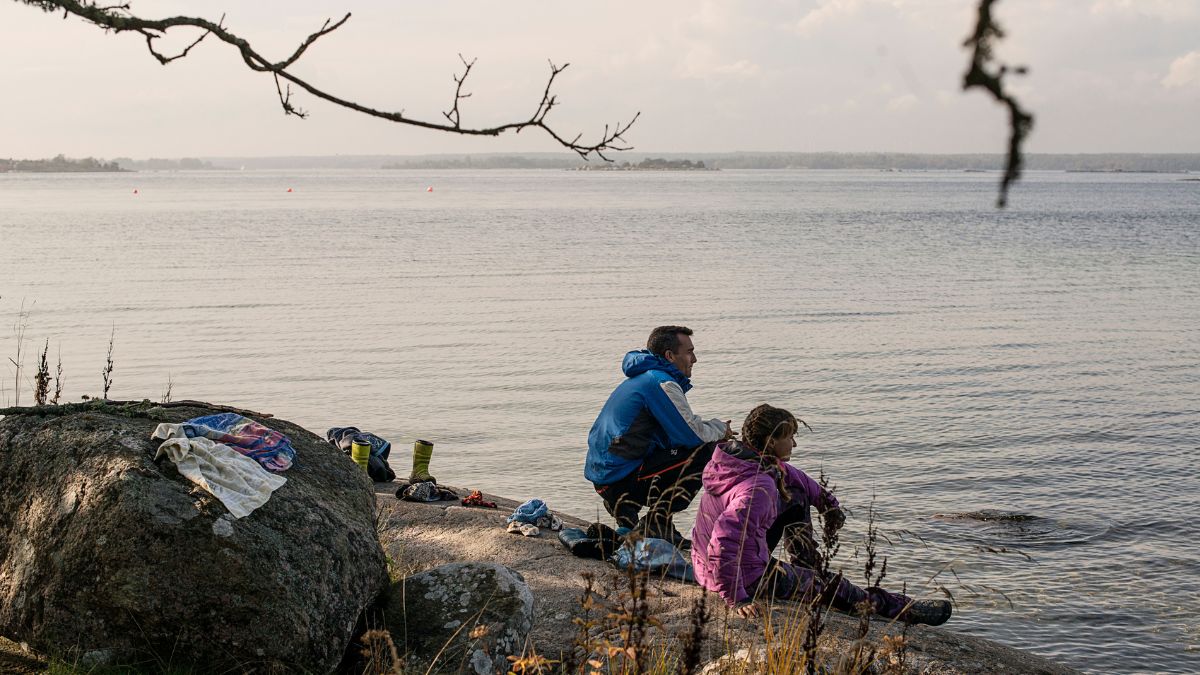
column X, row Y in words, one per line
column 285, row 100
column 164, row 60
column 119, row 18
column 454, row 115
column 979, row 75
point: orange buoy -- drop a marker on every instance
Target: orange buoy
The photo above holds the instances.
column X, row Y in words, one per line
column 289, row 189
column 429, row 189
column 135, row 191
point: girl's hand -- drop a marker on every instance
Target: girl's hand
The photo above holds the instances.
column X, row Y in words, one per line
column 834, row 519
column 748, row 610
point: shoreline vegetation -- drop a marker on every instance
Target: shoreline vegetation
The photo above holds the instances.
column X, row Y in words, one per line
column 1181, row 163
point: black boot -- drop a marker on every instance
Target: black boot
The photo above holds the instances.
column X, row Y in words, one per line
column 928, row 612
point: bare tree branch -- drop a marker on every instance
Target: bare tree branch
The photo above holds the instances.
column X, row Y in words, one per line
column 119, row 18
column 979, row 75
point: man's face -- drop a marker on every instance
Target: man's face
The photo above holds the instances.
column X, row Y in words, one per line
column 684, row 357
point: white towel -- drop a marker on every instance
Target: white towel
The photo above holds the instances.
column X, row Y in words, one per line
column 239, row 482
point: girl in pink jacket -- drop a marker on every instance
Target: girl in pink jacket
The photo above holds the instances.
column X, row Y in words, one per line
column 753, row 499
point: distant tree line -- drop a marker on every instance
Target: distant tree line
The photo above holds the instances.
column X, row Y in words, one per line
column 651, row 164
column 1172, row 163
column 156, row 164
column 487, row 162
column 58, row 164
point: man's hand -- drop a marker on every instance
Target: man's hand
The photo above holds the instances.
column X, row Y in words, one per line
column 728, row 430
column 748, row 610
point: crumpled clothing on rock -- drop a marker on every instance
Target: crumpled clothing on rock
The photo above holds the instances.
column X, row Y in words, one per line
column 475, row 498
column 266, row 446
column 377, row 464
column 529, row 512
column 516, row 527
column 425, row 491
column 657, row 556
column 342, row 437
column 235, row 479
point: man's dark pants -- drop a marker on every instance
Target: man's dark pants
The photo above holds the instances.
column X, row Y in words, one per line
column 665, row 483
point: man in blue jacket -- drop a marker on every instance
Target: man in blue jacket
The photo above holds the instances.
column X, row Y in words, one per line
column 647, row 448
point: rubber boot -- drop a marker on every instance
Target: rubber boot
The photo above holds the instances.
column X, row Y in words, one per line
column 422, row 455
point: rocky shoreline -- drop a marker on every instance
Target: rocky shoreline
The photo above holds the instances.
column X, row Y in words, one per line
column 107, row 552
column 420, row 536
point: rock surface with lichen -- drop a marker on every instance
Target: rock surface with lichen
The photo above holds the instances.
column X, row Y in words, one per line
column 464, row 617
column 107, row 555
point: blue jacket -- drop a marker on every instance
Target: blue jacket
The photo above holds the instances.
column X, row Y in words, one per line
column 645, row 414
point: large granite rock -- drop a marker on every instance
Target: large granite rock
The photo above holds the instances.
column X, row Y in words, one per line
column 108, row 555
column 462, row 617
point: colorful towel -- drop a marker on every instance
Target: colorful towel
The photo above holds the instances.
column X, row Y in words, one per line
column 271, row 449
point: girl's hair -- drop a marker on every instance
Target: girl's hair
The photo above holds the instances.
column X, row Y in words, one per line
column 766, row 422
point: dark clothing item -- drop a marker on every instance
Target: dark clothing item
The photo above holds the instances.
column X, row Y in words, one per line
column 377, row 464
column 665, row 484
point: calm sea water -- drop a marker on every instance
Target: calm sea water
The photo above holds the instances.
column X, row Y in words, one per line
column 1041, row 361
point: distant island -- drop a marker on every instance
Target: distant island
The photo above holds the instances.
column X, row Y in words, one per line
column 64, row 164
column 58, row 164
column 649, row 164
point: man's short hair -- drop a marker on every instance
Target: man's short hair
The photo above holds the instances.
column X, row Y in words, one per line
column 666, row 339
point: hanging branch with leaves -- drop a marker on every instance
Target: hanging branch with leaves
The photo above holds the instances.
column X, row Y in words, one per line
column 986, row 73
column 120, row 18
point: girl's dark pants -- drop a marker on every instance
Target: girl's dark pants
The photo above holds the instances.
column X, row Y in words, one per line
column 801, row 579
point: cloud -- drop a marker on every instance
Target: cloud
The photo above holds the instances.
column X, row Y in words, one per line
column 901, row 103
column 743, row 68
column 826, row 12
column 1166, row 10
column 1184, row 72
column 702, row 62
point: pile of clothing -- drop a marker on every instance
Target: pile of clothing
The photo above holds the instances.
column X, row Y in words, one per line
column 233, row 457
column 378, row 469
column 643, row 554
column 530, row 518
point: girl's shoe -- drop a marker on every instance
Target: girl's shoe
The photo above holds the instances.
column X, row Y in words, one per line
column 928, row 612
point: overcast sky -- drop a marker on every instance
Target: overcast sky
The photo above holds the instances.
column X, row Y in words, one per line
column 716, row 76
